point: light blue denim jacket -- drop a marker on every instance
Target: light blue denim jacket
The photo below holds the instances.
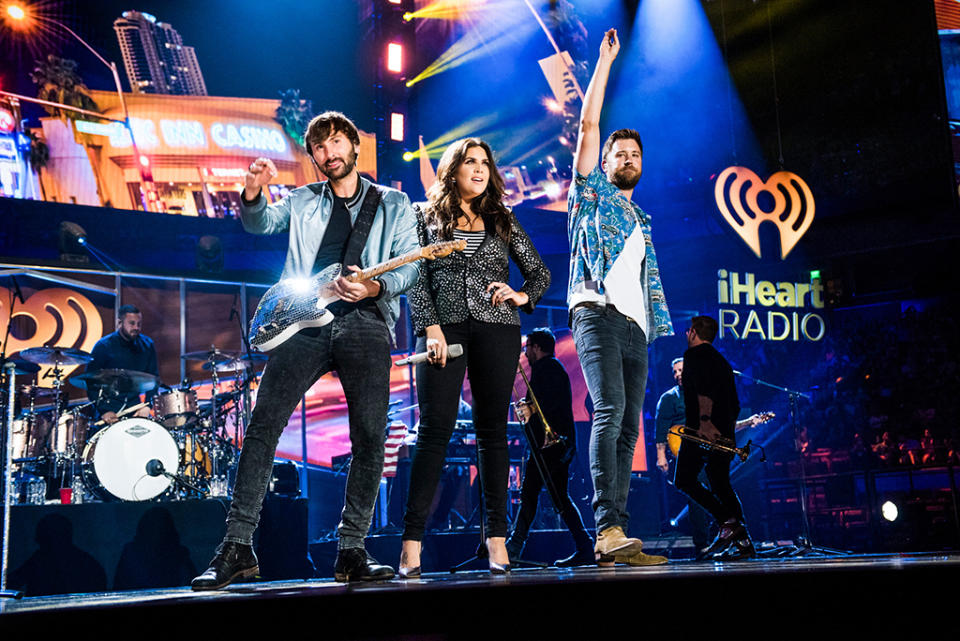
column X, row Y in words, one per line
column 305, row 213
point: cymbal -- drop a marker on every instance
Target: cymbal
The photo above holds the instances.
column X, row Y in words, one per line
column 212, row 355
column 24, row 367
column 127, row 381
column 56, row 356
column 36, row 390
column 238, row 363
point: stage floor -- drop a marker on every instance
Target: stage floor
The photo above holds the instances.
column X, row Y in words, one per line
column 863, row 592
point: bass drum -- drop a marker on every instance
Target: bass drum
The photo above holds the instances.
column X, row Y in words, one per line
column 114, row 462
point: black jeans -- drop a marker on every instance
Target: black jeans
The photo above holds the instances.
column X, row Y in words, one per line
column 559, row 472
column 720, row 500
column 357, row 346
column 490, row 355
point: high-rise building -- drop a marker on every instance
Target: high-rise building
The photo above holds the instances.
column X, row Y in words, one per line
column 155, row 57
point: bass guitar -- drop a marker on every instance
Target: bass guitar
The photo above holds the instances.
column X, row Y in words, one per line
column 294, row 304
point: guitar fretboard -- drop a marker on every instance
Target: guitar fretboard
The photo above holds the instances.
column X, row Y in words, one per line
column 381, row 268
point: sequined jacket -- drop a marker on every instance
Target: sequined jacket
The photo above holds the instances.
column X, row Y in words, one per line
column 599, row 222
column 453, row 288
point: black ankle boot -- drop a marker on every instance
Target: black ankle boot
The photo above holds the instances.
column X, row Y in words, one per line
column 729, row 531
column 355, row 564
column 233, row 561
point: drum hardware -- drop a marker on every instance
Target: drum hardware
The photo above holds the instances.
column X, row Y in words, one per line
column 117, row 381
column 24, row 367
column 56, row 356
column 176, row 407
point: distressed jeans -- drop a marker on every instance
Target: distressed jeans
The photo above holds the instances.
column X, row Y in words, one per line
column 613, row 357
column 357, row 346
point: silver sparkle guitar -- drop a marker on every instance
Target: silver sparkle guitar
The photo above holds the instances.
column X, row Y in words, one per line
column 294, row 304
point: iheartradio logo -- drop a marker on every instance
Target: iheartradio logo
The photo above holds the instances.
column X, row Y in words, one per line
column 736, row 192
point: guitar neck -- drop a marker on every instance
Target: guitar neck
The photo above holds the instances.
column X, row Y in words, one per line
column 384, row 267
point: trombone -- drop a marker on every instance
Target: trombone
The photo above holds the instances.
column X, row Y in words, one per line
column 550, row 437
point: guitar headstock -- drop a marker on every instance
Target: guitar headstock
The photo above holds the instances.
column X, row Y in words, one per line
column 439, row 250
column 763, row 417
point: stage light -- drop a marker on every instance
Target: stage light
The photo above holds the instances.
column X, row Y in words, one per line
column 144, row 160
column 71, row 241
column 552, row 189
column 396, row 126
column 889, row 511
column 407, row 17
column 395, row 57
column 16, row 12
column 553, row 106
column 209, row 255
column 408, row 156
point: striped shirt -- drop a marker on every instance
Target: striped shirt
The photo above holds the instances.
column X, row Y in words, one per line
column 473, row 238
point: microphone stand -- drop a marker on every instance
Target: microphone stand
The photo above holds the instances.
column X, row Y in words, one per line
column 10, row 374
column 804, row 545
column 10, row 370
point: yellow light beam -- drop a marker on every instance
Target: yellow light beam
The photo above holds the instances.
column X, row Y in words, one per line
column 473, row 45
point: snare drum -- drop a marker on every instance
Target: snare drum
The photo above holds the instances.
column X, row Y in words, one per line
column 176, row 407
column 115, row 460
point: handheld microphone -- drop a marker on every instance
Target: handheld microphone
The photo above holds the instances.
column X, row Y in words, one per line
column 453, row 351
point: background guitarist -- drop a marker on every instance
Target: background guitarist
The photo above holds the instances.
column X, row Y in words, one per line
column 348, row 220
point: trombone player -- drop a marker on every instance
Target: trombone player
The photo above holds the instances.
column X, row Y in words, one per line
column 548, row 390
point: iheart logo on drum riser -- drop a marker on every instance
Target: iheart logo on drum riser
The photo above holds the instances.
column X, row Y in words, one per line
column 56, row 317
column 737, row 191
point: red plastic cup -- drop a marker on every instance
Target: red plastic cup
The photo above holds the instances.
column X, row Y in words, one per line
column 66, row 495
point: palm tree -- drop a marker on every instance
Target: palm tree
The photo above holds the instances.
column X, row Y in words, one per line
column 57, row 80
column 39, row 158
column 294, row 114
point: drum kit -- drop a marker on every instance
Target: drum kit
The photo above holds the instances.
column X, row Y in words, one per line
column 174, row 447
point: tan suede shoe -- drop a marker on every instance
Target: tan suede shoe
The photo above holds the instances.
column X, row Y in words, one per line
column 639, row 559
column 613, row 541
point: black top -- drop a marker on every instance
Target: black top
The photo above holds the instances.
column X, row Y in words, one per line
column 453, row 288
column 551, row 385
column 334, row 243
column 333, row 247
column 707, row 373
column 113, row 351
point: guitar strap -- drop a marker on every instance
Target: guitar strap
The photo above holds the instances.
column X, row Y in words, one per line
column 361, row 229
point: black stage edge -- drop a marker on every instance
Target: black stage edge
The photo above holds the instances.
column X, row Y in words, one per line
column 93, row 547
column 770, row 599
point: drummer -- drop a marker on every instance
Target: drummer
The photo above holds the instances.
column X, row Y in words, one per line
column 129, row 349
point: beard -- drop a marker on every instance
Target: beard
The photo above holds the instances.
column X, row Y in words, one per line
column 625, row 178
column 347, row 166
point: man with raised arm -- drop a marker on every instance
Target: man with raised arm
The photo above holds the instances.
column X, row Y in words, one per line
column 617, row 307
column 351, row 221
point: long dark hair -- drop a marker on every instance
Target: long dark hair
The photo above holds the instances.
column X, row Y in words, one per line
column 443, row 207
